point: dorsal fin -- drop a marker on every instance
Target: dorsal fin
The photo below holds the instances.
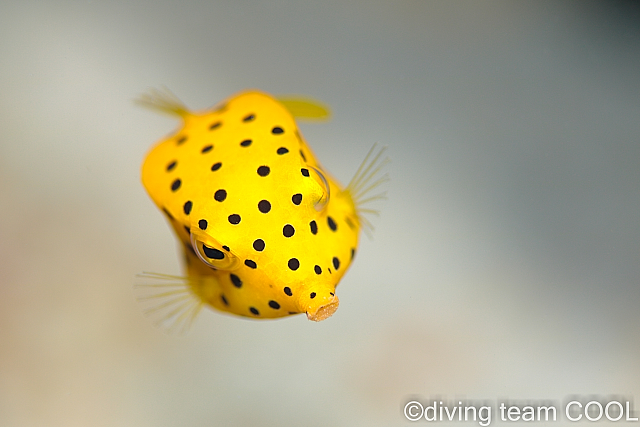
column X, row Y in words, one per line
column 304, row 108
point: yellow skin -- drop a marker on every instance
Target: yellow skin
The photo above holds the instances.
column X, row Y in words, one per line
column 246, row 256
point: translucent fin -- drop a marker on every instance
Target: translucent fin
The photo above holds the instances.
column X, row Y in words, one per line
column 169, row 301
column 163, row 100
column 367, row 179
column 305, row 108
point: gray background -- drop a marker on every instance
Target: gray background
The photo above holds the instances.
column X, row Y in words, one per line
column 505, row 263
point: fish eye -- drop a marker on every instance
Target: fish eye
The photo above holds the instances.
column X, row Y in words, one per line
column 323, row 196
column 212, row 253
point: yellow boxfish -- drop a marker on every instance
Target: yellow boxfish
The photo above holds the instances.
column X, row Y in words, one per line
column 266, row 231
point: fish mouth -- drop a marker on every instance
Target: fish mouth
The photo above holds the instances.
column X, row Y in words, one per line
column 324, row 311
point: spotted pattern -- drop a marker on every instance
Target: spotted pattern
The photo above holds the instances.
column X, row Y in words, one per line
column 274, row 304
column 258, row 245
column 264, row 206
column 350, row 223
column 266, row 157
column 187, row 207
column 293, row 264
column 332, row 224
column 288, row 230
column 237, row 282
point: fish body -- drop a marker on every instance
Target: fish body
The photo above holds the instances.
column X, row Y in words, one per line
column 266, row 231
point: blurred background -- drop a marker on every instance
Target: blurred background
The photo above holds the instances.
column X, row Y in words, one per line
column 505, row 262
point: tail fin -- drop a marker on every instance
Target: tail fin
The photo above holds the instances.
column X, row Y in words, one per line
column 163, row 100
